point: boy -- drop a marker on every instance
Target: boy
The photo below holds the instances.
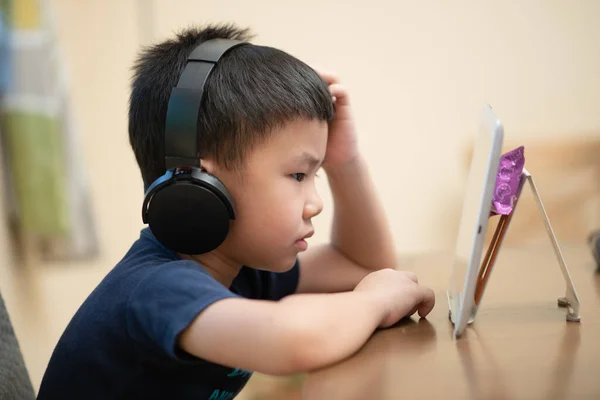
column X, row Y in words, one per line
column 177, row 326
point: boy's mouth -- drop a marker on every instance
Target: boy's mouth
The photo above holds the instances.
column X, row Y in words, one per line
column 301, row 243
column 309, row 234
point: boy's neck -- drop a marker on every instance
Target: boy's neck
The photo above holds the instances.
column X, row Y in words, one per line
column 221, row 268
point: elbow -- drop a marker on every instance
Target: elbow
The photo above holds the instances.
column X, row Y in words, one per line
column 382, row 260
column 386, row 260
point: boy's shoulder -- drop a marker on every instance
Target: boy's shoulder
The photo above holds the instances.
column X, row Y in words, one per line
column 152, row 294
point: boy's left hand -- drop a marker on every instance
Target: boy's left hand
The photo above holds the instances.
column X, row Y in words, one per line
column 342, row 146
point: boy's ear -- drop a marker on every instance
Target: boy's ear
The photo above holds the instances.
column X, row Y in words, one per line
column 209, row 166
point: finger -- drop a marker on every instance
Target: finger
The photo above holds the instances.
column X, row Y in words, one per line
column 328, row 77
column 428, row 302
column 412, row 276
column 339, row 92
column 414, row 310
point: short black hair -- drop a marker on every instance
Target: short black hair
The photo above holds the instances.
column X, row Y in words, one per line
column 252, row 90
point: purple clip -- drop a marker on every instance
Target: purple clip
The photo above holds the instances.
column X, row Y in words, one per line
column 508, row 181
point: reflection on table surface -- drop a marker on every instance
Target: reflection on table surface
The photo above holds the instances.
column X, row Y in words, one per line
column 520, row 346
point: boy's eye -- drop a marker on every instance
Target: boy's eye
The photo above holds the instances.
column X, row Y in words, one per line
column 299, row 176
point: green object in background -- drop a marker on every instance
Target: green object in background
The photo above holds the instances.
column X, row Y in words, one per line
column 49, row 202
column 37, row 167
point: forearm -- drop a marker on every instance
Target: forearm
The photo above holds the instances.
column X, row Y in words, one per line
column 332, row 326
column 360, row 229
column 298, row 333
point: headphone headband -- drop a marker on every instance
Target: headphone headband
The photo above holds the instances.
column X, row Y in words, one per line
column 181, row 128
column 187, row 209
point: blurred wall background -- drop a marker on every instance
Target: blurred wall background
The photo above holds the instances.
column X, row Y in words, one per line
column 418, row 73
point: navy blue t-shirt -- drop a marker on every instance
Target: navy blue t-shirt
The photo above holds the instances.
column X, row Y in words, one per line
column 122, row 342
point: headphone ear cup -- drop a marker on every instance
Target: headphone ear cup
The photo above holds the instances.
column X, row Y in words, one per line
column 191, row 216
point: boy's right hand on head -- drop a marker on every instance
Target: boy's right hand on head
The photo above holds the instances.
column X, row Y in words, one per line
column 398, row 293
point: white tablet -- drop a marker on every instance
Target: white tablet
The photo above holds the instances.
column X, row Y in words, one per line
column 476, row 208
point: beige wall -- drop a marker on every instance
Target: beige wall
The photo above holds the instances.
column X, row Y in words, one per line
column 418, row 72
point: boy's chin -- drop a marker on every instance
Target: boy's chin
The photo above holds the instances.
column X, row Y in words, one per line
column 280, row 265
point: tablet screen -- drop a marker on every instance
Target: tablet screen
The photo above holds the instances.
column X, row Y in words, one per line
column 476, row 207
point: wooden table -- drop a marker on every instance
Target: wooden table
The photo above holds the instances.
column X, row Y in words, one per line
column 519, row 347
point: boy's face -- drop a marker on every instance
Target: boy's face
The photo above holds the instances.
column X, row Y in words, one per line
column 276, row 197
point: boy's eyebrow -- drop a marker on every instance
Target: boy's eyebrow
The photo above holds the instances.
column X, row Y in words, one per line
column 310, row 159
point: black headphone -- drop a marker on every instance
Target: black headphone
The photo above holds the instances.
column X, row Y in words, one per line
column 187, row 209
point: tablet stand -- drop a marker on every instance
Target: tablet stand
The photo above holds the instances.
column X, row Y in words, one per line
column 570, row 301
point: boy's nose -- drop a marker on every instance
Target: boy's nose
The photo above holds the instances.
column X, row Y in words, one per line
column 313, row 206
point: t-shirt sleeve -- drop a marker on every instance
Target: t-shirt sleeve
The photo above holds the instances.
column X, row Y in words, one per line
column 167, row 301
column 280, row 284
